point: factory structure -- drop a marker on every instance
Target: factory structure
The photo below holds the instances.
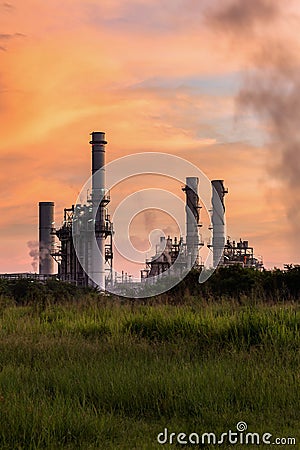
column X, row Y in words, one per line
column 169, row 251
column 224, row 251
column 86, row 236
column 80, row 225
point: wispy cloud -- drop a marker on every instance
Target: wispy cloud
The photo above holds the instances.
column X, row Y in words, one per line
column 7, row 6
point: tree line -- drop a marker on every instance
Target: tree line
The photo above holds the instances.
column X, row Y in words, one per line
column 226, row 282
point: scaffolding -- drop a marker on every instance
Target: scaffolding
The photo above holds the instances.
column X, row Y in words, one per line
column 240, row 253
column 77, row 232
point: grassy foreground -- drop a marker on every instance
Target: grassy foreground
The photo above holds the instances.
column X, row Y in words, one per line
column 98, row 374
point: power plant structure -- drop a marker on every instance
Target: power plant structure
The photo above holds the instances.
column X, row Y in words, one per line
column 86, row 233
column 82, row 222
column 240, row 253
column 168, row 251
column 227, row 252
column 86, row 236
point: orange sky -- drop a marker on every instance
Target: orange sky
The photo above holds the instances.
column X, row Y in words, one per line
column 154, row 76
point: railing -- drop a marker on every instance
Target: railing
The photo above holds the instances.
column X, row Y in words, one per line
column 27, row 275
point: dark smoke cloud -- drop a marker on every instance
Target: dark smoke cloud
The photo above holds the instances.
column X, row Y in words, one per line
column 271, row 88
column 243, row 16
column 274, row 95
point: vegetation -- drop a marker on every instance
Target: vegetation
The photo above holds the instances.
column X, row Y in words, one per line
column 237, row 282
column 84, row 371
column 227, row 282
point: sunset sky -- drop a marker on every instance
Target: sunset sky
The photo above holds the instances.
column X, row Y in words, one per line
column 216, row 82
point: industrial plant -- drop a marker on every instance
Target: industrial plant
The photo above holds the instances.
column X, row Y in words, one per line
column 83, row 247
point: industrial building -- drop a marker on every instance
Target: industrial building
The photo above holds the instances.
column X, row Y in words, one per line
column 86, row 236
column 185, row 254
column 80, row 224
column 225, row 252
column 240, row 253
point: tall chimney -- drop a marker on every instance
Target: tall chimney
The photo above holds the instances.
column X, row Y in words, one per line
column 98, row 143
column 218, row 220
column 192, row 218
column 46, row 239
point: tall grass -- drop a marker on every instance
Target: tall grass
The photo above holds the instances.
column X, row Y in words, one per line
column 101, row 375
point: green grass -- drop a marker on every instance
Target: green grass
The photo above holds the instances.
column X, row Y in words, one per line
column 106, row 375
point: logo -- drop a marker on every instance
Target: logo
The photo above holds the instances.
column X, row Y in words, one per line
column 103, row 225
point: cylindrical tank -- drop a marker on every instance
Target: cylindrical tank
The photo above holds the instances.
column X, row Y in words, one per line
column 46, row 239
column 98, row 192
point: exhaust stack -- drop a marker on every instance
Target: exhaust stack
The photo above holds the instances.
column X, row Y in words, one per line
column 98, row 202
column 46, row 239
column 218, row 220
column 192, row 218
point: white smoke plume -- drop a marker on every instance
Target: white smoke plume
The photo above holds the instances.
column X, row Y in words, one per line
column 36, row 254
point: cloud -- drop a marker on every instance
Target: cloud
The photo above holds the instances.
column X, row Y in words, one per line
column 4, row 37
column 9, row 36
column 143, row 17
column 7, row 5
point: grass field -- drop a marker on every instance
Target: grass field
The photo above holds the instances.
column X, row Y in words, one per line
column 101, row 374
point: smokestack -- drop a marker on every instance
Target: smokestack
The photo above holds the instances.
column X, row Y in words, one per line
column 218, row 220
column 192, row 218
column 98, row 143
column 46, row 239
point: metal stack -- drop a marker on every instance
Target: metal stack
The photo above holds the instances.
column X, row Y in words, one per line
column 88, row 226
column 218, row 220
column 46, row 238
column 192, row 220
